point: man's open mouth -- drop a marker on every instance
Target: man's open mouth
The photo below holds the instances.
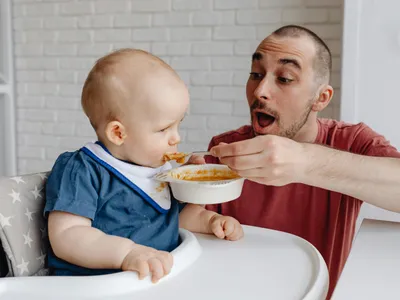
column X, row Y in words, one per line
column 264, row 120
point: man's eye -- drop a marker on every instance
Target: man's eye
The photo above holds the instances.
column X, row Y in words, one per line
column 285, row 80
column 256, row 76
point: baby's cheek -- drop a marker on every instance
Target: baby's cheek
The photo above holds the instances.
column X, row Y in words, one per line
column 157, row 151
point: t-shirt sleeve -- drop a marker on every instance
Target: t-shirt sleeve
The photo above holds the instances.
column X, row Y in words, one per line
column 368, row 142
column 72, row 186
column 181, row 206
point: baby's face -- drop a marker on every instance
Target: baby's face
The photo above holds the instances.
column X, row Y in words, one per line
column 153, row 127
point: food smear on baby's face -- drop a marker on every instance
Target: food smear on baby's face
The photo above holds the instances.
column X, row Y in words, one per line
column 206, row 175
column 179, row 157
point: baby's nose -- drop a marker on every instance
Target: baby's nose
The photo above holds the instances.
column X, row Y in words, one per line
column 175, row 139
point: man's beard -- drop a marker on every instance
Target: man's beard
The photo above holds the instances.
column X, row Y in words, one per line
column 294, row 128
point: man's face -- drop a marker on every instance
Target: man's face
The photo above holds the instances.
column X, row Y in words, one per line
column 281, row 88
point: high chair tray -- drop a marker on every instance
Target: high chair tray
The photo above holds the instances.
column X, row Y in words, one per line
column 265, row 264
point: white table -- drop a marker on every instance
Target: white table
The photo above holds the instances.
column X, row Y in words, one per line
column 372, row 270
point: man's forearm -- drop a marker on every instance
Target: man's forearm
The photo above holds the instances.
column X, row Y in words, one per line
column 91, row 248
column 196, row 218
column 374, row 180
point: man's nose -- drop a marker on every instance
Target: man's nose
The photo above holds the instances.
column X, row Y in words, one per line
column 263, row 90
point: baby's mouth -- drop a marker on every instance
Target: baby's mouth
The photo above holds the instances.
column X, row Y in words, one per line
column 264, row 120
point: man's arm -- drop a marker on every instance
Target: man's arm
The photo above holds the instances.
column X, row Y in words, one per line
column 274, row 160
column 375, row 180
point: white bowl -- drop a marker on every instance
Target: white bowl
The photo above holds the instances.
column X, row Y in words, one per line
column 202, row 192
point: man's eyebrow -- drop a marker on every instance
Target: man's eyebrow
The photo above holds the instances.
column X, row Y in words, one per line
column 256, row 56
column 292, row 61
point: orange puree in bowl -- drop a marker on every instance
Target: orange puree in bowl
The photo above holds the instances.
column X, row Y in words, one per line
column 206, row 175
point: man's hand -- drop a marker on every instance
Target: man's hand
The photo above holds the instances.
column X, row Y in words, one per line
column 225, row 227
column 144, row 260
column 277, row 161
column 268, row 159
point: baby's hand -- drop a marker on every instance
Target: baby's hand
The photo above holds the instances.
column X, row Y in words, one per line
column 226, row 227
column 144, row 259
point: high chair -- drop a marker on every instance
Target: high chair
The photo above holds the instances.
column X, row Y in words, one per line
column 264, row 264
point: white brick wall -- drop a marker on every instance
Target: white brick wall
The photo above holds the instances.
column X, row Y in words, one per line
column 209, row 42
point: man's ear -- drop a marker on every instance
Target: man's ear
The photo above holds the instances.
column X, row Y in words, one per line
column 116, row 133
column 324, row 98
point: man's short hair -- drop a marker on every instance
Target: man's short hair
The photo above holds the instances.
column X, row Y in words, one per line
column 323, row 56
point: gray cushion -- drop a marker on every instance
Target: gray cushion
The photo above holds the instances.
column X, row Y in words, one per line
column 23, row 233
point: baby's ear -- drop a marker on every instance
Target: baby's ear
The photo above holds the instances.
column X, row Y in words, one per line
column 116, row 133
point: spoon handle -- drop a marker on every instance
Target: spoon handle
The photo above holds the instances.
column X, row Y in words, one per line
column 200, row 153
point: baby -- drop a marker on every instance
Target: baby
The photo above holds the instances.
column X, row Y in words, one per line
column 105, row 212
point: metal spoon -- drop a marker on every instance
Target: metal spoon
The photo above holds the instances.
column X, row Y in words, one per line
column 183, row 155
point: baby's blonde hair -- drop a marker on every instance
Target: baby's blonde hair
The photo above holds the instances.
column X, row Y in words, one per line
column 104, row 95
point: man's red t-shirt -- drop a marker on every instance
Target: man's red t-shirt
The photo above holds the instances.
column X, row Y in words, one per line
column 326, row 219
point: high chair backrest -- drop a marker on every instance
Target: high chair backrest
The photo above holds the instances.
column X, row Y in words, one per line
column 23, row 230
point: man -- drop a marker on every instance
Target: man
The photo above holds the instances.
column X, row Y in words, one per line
column 306, row 176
